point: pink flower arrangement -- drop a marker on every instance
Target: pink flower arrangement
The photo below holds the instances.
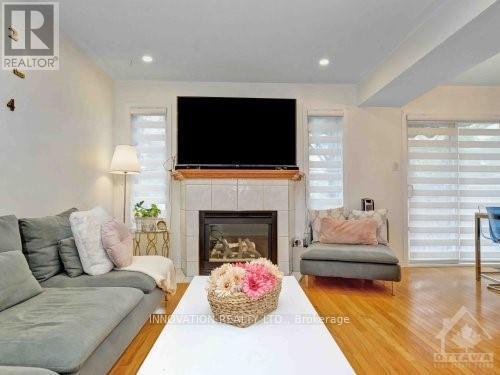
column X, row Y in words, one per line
column 254, row 279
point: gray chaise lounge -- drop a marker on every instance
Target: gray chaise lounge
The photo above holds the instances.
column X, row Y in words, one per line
column 77, row 325
column 350, row 261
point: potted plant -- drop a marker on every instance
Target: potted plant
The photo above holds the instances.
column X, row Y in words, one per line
column 146, row 218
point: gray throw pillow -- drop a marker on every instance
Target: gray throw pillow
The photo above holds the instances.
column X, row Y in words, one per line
column 10, row 238
column 40, row 237
column 70, row 258
column 17, row 283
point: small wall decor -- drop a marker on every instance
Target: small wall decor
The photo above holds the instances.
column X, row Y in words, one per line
column 11, row 104
column 13, row 34
column 18, row 73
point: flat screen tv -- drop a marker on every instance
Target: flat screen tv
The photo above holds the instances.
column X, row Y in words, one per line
column 215, row 132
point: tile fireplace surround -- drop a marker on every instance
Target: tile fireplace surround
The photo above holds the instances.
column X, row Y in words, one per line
column 235, row 195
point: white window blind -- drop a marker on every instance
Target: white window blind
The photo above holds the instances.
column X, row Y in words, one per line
column 453, row 169
column 149, row 135
column 325, row 161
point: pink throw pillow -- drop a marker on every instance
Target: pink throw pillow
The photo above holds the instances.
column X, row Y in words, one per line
column 117, row 241
column 354, row 232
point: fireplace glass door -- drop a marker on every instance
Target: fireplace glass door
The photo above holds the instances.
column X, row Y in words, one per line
column 236, row 237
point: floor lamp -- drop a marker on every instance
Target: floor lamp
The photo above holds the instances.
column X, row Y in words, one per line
column 125, row 162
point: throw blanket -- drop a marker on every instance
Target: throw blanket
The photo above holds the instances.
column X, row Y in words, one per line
column 161, row 269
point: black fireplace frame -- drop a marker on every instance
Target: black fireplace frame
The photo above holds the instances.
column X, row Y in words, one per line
column 228, row 217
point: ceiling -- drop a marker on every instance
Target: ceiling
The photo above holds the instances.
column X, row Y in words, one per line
column 485, row 74
column 242, row 40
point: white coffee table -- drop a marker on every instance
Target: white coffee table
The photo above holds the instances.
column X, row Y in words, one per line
column 192, row 343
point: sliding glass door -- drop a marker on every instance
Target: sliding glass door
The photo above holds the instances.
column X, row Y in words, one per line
column 453, row 171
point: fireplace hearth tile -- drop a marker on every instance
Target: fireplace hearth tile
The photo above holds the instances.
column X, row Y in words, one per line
column 250, row 198
column 225, row 181
column 276, row 198
column 283, row 223
column 192, row 223
column 192, row 249
column 250, row 181
column 283, row 249
column 198, row 181
column 224, row 197
column 198, row 197
column 273, row 182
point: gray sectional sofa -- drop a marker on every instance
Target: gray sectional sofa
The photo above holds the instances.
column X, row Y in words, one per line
column 66, row 325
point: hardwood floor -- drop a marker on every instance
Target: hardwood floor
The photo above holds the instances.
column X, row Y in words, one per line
column 385, row 334
column 132, row 358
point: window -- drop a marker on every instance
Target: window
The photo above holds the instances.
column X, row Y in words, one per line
column 325, row 161
column 149, row 135
column 453, row 169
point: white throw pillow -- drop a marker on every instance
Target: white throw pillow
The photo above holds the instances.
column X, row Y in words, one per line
column 380, row 216
column 316, row 215
column 86, row 227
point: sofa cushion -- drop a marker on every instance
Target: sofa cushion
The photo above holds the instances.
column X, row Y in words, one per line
column 70, row 323
column 17, row 283
column 69, row 257
column 118, row 242
column 10, row 239
column 353, row 232
column 114, row 278
column 86, row 227
column 18, row 370
column 40, row 237
column 316, row 215
column 351, row 253
column 380, row 216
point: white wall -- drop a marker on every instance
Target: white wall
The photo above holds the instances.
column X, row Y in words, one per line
column 462, row 101
column 372, row 165
column 56, row 147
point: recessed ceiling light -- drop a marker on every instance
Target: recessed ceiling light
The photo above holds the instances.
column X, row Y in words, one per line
column 324, row 62
column 147, row 59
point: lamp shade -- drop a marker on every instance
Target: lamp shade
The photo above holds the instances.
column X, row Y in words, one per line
column 125, row 160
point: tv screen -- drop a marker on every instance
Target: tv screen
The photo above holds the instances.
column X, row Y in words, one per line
column 236, row 132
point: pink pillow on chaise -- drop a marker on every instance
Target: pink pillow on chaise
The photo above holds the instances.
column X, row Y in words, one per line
column 353, row 232
column 117, row 241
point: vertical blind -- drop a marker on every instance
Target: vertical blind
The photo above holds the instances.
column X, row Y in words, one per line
column 453, row 170
column 149, row 135
column 325, row 161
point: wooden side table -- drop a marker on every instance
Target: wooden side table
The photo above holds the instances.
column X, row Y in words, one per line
column 152, row 246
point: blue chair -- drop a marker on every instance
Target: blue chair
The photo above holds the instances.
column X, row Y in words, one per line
column 494, row 221
column 494, row 226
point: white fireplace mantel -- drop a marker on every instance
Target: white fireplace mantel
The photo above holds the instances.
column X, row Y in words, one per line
column 235, row 195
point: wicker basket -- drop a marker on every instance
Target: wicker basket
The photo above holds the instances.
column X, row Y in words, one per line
column 240, row 310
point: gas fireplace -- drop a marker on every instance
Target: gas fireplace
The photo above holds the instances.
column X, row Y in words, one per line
column 236, row 236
